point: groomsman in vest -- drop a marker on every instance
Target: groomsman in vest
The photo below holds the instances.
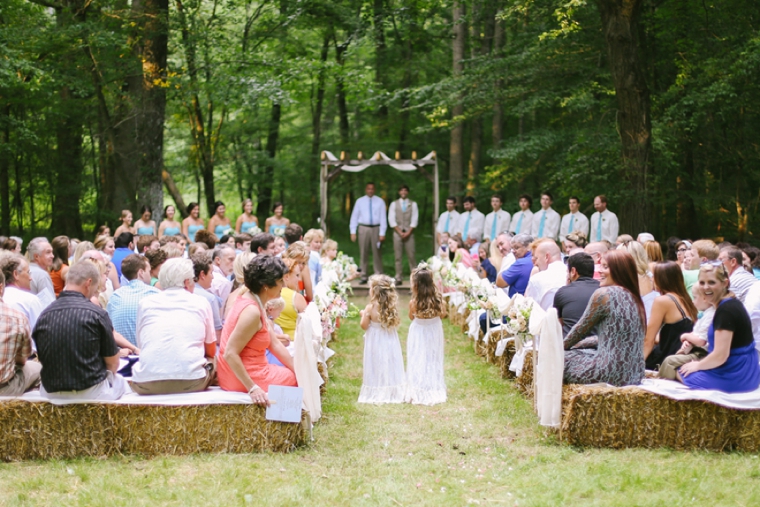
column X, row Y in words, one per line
column 369, row 220
column 497, row 221
column 447, row 222
column 403, row 217
column 546, row 221
column 522, row 221
column 470, row 223
column 604, row 223
column 575, row 221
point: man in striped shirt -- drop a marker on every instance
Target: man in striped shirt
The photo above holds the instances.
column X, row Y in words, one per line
column 17, row 375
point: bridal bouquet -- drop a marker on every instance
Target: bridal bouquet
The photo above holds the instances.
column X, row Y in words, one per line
column 519, row 314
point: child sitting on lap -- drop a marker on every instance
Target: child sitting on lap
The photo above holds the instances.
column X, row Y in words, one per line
column 274, row 307
column 692, row 344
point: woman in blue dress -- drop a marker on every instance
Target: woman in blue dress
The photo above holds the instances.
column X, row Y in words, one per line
column 193, row 223
column 731, row 364
column 247, row 223
column 277, row 223
column 219, row 224
column 169, row 226
column 146, row 226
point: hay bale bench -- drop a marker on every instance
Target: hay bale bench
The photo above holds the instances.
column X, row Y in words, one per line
column 633, row 417
column 40, row 430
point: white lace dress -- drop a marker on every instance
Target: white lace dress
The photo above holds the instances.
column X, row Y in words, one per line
column 384, row 380
column 424, row 357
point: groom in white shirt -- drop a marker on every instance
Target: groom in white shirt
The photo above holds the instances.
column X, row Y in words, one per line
column 546, row 221
column 369, row 220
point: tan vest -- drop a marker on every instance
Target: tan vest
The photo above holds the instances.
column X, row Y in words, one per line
column 404, row 218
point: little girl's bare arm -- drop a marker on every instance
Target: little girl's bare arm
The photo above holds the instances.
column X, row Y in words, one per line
column 365, row 314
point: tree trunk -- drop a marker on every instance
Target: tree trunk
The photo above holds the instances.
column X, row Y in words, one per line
column 70, row 169
column 5, row 183
column 456, row 171
column 380, row 64
column 620, row 22
column 340, row 90
column 497, row 121
column 316, row 129
column 265, row 181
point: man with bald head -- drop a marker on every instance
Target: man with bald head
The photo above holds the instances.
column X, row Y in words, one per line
column 596, row 251
column 552, row 274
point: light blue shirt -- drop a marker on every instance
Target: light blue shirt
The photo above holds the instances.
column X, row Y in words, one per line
column 214, row 302
column 369, row 211
column 122, row 307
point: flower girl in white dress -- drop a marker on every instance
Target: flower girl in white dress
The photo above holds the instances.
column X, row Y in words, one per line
column 384, row 380
column 424, row 344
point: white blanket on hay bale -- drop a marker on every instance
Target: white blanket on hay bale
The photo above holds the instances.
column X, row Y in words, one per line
column 212, row 396
column 677, row 391
column 308, row 343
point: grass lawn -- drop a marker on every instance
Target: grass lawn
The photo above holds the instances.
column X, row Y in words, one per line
column 483, row 447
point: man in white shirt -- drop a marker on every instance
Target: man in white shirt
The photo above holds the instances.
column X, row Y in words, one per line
column 17, row 287
column 223, row 259
column 740, row 280
column 470, row 223
column 175, row 333
column 369, row 221
column 202, row 267
column 497, row 220
column 546, row 221
column 40, row 255
column 522, row 221
column 575, row 221
column 447, row 222
column 403, row 218
column 604, row 223
column 752, row 304
column 596, row 250
column 552, row 274
column 504, row 244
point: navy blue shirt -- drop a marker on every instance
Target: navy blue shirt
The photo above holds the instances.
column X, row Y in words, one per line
column 518, row 275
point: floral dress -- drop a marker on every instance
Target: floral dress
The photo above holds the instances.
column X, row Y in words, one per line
column 619, row 358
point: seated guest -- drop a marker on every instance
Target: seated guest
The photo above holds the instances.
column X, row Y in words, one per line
column 206, row 237
column 673, row 314
column 123, row 303
column 293, row 233
column 458, row 251
column 677, row 248
column 146, row 243
column 485, row 268
column 741, row 280
column 644, row 238
column 40, row 254
column 694, row 344
column 299, row 252
column 329, row 251
column 203, row 277
column 731, row 364
column 242, row 364
column 75, row 343
column 295, row 303
column 243, row 243
column 17, row 295
column 175, row 333
column 646, row 284
column 60, row 264
column 697, row 253
column 156, row 258
column 175, row 251
column 571, row 300
column 618, row 314
column 552, row 274
column 596, row 251
column 504, row 245
column 574, row 243
column 125, row 245
column 274, row 307
column 654, row 251
column 238, row 285
column 17, row 375
column 223, row 259
column 752, row 305
column 314, row 239
column 518, row 274
column 263, row 243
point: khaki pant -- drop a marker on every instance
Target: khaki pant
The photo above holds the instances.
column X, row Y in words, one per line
column 670, row 364
column 26, row 377
column 399, row 246
column 368, row 239
column 176, row 386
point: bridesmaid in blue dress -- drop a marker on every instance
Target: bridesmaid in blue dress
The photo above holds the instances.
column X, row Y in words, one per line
column 731, row 364
column 126, row 223
column 276, row 224
column 169, row 226
column 193, row 223
column 247, row 223
column 219, row 224
column 146, row 226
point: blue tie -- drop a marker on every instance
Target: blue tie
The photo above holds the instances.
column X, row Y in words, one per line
column 541, row 225
column 448, row 221
column 493, row 225
column 371, row 221
column 570, row 229
column 519, row 223
column 599, row 229
column 467, row 226
column 403, row 206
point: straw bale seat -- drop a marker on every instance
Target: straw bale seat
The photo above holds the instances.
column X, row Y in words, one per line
column 632, row 417
column 40, row 430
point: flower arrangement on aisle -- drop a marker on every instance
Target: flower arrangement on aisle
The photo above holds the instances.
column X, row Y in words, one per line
column 343, row 266
column 331, row 294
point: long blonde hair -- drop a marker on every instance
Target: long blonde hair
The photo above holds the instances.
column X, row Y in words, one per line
column 427, row 302
column 382, row 293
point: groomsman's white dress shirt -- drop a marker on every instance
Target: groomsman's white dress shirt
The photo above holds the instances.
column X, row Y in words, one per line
column 471, row 224
column 496, row 222
column 604, row 226
column 579, row 224
column 545, row 224
column 447, row 222
column 522, row 221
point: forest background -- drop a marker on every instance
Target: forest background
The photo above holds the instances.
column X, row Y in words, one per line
column 110, row 104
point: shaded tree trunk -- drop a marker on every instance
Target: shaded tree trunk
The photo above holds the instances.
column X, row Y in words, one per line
column 5, row 163
column 340, row 91
column 456, row 170
column 380, row 63
column 497, row 120
column 265, row 182
column 620, row 23
column 316, row 128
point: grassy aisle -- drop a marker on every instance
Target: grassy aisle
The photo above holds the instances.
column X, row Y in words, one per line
column 482, row 447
